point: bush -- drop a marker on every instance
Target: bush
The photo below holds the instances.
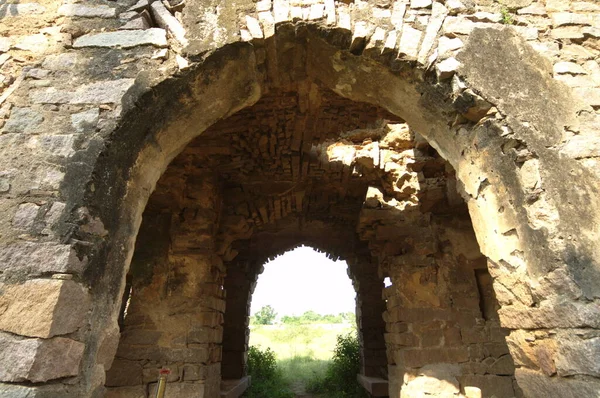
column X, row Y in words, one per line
column 340, row 377
column 265, row 316
column 266, row 378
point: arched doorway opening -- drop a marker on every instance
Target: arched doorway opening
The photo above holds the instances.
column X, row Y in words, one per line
column 304, row 164
column 303, row 301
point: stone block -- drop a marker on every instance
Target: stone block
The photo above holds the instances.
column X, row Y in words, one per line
column 105, row 92
column 499, row 386
column 159, row 354
column 447, row 68
column 409, row 42
column 86, row 120
column 582, row 147
column 126, row 392
column 140, row 337
column 4, row 44
column 432, row 338
column 124, row 373
column 579, row 357
column 416, row 358
column 43, row 307
column 167, row 21
column 138, row 23
column 83, row 11
column 556, row 315
column 23, row 120
column 192, row 372
column 376, row 387
column 19, row 10
column 37, row 43
column 477, row 334
column 109, row 343
column 37, row 258
column 124, row 39
column 63, row 61
column 567, row 32
column 37, row 391
column 59, row 145
column 25, row 215
column 495, row 349
column 179, row 390
column 503, row 366
column 38, row 360
column 536, row 384
column 53, row 214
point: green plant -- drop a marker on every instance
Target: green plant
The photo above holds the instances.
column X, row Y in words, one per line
column 261, row 363
column 266, row 378
column 265, row 316
column 507, row 17
column 340, row 377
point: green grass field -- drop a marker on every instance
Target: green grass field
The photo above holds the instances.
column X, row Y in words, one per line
column 303, row 351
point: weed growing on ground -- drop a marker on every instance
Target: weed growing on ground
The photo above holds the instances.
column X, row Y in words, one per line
column 302, row 369
column 267, row 380
column 340, row 376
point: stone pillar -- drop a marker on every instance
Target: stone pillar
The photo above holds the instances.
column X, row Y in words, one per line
column 175, row 314
column 443, row 332
column 239, row 284
column 369, row 314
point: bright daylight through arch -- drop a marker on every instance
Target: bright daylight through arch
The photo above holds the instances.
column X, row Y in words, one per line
column 302, row 315
column 304, row 280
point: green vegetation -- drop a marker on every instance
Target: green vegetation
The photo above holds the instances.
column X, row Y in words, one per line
column 311, row 317
column 265, row 316
column 267, row 380
column 507, row 17
column 289, row 341
column 322, row 358
column 340, row 377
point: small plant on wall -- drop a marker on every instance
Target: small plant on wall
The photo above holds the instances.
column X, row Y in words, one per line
column 507, row 16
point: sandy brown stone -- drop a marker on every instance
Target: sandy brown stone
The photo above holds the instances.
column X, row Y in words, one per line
column 43, row 307
column 38, row 360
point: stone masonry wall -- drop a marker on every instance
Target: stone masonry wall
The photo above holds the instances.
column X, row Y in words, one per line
column 98, row 97
column 444, row 335
column 174, row 319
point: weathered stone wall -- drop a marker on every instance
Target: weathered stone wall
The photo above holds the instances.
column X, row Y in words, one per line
column 174, row 318
column 444, row 332
column 97, row 99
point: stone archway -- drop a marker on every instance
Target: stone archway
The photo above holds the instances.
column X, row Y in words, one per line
column 512, row 154
column 376, row 194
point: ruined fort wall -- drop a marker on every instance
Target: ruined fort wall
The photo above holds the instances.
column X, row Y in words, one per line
column 98, row 97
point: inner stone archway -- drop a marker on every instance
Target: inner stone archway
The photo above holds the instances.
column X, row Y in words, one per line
column 302, row 280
